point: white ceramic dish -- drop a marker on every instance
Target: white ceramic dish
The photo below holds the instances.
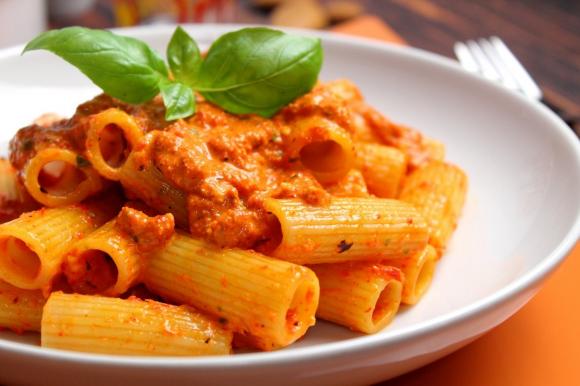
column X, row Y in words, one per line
column 522, row 217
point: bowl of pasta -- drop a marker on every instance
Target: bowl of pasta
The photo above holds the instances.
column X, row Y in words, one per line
column 264, row 206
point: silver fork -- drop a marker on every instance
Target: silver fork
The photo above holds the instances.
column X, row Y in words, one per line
column 492, row 59
column 495, row 61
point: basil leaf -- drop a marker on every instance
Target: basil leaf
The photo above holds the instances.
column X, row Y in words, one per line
column 259, row 70
column 179, row 101
column 253, row 70
column 123, row 67
column 183, row 57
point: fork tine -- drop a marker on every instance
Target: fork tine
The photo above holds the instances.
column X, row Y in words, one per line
column 521, row 76
column 465, row 58
column 486, row 68
column 507, row 78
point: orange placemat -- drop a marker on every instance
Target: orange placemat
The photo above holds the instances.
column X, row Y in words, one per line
column 539, row 345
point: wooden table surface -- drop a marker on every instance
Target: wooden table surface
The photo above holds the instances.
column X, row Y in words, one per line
column 544, row 35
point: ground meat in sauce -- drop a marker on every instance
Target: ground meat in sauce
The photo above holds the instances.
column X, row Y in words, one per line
column 149, row 115
column 228, row 165
column 149, row 233
column 329, row 100
column 34, row 138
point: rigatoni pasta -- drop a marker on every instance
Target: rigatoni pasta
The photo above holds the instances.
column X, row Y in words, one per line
column 438, row 191
column 323, row 147
column 14, row 199
column 112, row 259
column 57, row 177
column 232, row 229
column 347, row 229
column 111, row 136
column 106, row 262
column 383, row 168
column 100, row 325
column 20, row 310
column 9, row 191
column 272, row 301
column 32, row 247
column 418, row 271
column 361, row 296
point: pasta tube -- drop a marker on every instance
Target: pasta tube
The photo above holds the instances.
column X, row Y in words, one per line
column 8, row 182
column 58, row 177
column 141, row 179
column 361, row 296
column 323, row 147
column 383, row 168
column 14, row 199
column 418, row 273
column 111, row 136
column 32, row 247
column 347, row 229
column 20, row 310
column 272, row 301
column 438, row 191
column 129, row 327
column 105, row 262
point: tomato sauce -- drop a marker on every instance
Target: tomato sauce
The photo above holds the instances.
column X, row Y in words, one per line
column 227, row 164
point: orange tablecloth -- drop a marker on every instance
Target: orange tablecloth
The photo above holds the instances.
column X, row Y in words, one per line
column 539, row 345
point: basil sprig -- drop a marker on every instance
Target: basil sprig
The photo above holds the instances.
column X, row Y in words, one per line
column 252, row 70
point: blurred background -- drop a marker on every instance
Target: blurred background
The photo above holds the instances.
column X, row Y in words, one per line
column 544, row 34
column 22, row 19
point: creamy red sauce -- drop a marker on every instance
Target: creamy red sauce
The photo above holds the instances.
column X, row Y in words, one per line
column 351, row 185
column 148, row 233
column 226, row 164
column 410, row 141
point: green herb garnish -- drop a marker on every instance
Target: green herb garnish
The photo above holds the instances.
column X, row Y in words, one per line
column 250, row 71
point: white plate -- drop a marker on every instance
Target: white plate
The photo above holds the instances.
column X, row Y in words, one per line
column 521, row 218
